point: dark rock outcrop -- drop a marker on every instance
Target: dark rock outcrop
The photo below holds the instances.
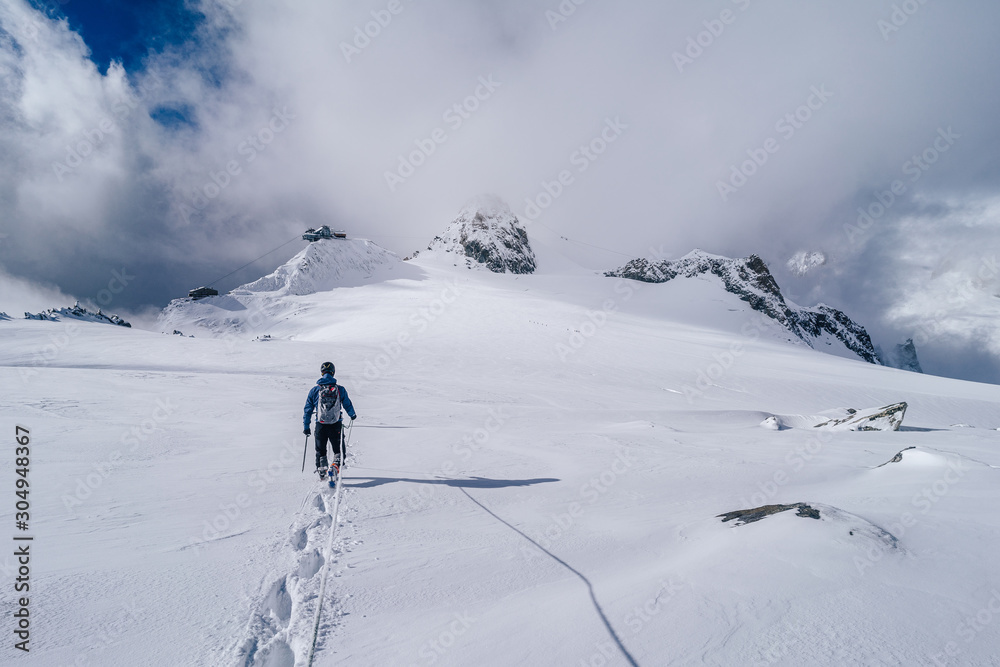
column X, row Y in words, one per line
column 903, row 356
column 889, row 418
column 897, row 458
column 77, row 312
column 487, row 233
column 744, row 517
column 751, row 280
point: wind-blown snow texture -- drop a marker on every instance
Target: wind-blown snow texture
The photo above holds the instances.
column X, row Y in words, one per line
column 486, row 232
column 750, row 279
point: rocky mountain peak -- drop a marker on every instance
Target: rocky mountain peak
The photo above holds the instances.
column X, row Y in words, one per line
column 750, row 279
column 486, row 233
column 903, row 356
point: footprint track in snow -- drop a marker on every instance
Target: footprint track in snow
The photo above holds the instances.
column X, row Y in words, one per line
column 301, row 539
column 278, row 603
column 310, row 564
column 278, row 626
column 269, row 622
column 277, row 654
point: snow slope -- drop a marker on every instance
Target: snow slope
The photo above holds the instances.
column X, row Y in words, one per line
column 325, row 265
column 536, row 478
column 321, row 266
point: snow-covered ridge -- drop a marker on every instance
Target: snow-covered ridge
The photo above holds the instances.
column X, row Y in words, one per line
column 324, row 265
column 321, row 267
column 487, row 233
column 76, row 312
column 751, row 280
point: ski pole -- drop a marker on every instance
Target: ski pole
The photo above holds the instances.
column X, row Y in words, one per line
column 343, row 457
column 343, row 445
column 304, row 450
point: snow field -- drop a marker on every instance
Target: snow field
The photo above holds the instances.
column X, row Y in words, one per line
column 504, row 503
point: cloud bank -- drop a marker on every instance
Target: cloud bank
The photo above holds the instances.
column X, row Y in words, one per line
column 864, row 131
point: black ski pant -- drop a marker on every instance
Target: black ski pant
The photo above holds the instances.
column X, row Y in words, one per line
column 334, row 434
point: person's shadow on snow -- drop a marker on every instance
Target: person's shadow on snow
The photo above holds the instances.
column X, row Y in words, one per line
column 464, row 483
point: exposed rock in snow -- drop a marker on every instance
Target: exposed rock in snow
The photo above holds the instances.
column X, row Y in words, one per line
column 897, row 458
column 867, row 536
column 903, row 356
column 886, row 418
column 803, row 262
column 4, row 316
column 487, row 233
column 822, row 319
column 324, row 265
column 772, row 423
column 750, row 280
column 77, row 312
column 744, row 517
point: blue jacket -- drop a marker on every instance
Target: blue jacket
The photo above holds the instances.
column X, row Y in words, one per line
column 314, row 395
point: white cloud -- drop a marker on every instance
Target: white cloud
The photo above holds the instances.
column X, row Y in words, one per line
column 19, row 296
column 803, row 262
column 347, row 123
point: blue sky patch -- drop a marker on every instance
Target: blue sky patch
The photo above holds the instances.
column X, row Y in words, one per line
column 126, row 30
column 174, row 118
